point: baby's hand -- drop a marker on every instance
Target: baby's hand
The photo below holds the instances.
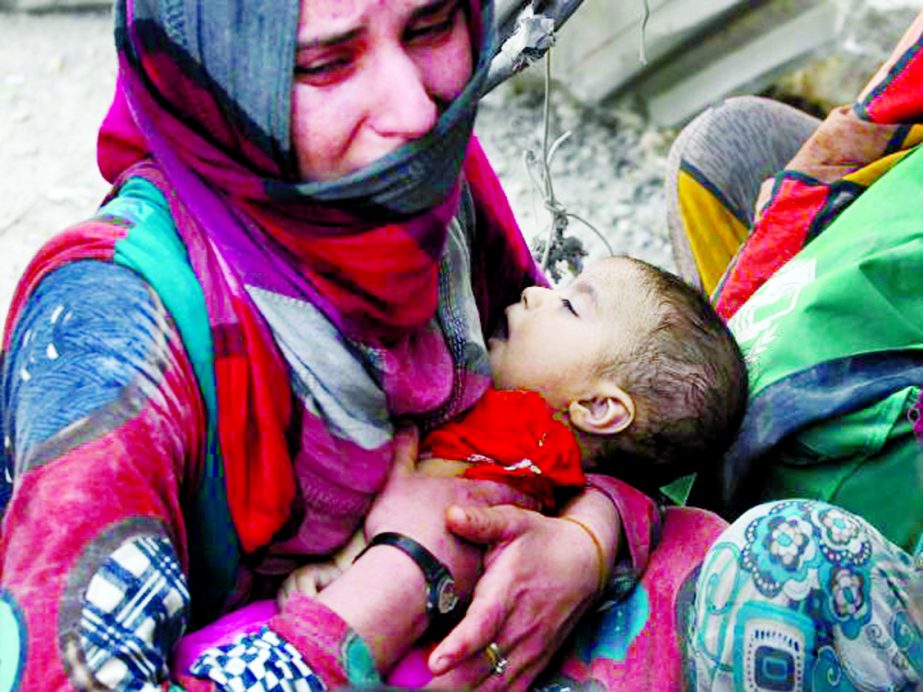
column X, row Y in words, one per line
column 309, row 580
column 314, row 578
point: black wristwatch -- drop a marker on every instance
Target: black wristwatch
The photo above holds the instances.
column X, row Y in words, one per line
column 441, row 597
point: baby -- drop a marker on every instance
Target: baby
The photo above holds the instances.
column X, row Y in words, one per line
column 626, row 371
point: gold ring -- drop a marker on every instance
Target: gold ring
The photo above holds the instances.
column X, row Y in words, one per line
column 498, row 663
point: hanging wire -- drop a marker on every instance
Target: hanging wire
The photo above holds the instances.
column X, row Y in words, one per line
column 560, row 215
column 550, row 202
column 642, row 52
column 593, row 228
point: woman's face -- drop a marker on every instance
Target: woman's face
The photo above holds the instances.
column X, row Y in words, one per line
column 372, row 75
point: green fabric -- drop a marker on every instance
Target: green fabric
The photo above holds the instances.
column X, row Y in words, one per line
column 678, row 491
column 856, row 289
column 154, row 249
column 868, row 460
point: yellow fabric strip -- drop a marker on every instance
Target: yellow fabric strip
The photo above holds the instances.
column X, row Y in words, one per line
column 714, row 233
column 914, row 137
column 873, row 171
column 867, row 175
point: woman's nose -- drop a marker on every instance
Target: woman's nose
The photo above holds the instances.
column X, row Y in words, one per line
column 534, row 296
column 404, row 106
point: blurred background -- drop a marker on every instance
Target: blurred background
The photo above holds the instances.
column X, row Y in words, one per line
column 57, row 70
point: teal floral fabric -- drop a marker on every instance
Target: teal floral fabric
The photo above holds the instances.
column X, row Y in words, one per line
column 802, row 595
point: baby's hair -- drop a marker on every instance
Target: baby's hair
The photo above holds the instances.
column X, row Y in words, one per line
column 688, row 380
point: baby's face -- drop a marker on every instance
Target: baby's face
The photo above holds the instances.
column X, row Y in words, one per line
column 557, row 339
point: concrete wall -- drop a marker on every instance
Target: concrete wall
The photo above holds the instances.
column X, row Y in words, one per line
column 51, row 5
column 701, row 51
column 697, row 51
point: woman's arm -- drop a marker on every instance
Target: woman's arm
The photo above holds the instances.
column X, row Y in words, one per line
column 389, row 624
column 359, row 624
column 103, row 422
column 364, row 620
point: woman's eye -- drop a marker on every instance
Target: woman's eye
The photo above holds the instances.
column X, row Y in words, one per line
column 434, row 28
column 569, row 306
column 429, row 31
column 322, row 72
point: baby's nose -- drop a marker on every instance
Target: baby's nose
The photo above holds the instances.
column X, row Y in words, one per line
column 534, row 296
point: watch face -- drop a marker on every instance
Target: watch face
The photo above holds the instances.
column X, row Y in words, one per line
column 446, row 596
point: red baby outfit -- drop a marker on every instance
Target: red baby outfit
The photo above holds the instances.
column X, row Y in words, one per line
column 515, row 437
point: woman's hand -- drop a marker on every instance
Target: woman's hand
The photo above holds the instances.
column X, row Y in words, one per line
column 541, row 575
column 415, row 505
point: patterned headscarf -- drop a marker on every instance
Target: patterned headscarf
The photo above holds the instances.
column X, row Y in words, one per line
column 355, row 268
column 209, row 85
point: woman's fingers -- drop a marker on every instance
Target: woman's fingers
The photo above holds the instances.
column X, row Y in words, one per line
column 482, row 622
column 486, row 525
column 540, row 576
column 462, row 651
column 475, row 673
column 506, row 661
column 469, row 674
column 524, row 663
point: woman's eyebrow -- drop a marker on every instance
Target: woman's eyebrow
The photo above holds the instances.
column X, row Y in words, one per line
column 432, row 8
column 329, row 41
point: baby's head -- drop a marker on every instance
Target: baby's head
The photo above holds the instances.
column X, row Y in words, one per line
column 645, row 369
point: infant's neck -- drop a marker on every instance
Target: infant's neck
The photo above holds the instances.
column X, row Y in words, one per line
column 590, row 447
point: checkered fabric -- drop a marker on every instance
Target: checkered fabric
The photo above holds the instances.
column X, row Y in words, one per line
column 135, row 610
column 259, row 661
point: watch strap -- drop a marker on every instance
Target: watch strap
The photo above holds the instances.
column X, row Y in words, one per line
column 441, row 598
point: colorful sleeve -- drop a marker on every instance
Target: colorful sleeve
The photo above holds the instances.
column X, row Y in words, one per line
column 306, row 646
column 641, row 519
column 853, row 148
column 102, row 421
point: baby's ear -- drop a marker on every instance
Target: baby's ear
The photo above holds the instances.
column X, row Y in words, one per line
column 609, row 412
